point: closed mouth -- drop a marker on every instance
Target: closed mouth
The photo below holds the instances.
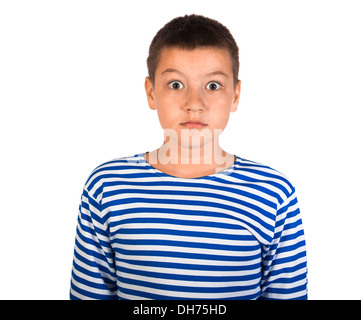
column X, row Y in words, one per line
column 194, row 122
column 193, row 125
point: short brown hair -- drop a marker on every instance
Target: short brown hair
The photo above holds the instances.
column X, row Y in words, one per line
column 191, row 32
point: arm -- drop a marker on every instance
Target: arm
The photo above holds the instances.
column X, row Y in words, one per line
column 93, row 274
column 284, row 261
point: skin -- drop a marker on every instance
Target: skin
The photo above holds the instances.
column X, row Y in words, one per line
column 194, row 85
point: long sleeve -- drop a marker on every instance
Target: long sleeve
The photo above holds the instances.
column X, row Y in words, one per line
column 93, row 273
column 284, row 261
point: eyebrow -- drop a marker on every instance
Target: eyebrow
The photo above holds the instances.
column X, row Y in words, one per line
column 171, row 70
column 217, row 73
column 208, row 74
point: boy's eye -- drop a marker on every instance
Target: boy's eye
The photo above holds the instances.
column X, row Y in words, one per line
column 175, row 85
column 213, row 86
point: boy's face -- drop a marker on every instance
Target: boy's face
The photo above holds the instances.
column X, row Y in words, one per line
column 193, row 89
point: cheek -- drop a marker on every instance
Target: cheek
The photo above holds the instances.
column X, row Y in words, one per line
column 163, row 110
column 220, row 115
column 221, row 121
column 168, row 116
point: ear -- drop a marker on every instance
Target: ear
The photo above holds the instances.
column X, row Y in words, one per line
column 149, row 90
column 237, row 93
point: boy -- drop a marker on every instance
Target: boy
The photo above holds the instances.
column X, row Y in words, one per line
column 189, row 220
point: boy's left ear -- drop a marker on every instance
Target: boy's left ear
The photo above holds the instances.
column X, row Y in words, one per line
column 237, row 93
column 149, row 90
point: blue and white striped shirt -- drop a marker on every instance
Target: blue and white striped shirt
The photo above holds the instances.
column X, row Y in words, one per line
column 144, row 234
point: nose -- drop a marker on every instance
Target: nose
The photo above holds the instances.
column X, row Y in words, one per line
column 194, row 101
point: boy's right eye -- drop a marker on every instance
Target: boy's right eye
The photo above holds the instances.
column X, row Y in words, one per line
column 175, row 85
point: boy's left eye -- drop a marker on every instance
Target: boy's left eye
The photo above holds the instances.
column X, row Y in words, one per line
column 213, row 86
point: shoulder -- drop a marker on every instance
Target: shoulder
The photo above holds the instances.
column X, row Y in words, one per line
column 112, row 169
column 267, row 178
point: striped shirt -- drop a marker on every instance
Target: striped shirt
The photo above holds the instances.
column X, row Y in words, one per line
column 144, row 234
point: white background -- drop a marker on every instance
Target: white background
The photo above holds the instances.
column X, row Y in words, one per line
column 72, row 97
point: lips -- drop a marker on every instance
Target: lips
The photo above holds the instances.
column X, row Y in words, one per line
column 193, row 124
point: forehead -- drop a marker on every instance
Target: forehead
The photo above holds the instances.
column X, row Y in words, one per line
column 196, row 61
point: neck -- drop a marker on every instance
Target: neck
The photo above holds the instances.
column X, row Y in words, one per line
column 190, row 160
